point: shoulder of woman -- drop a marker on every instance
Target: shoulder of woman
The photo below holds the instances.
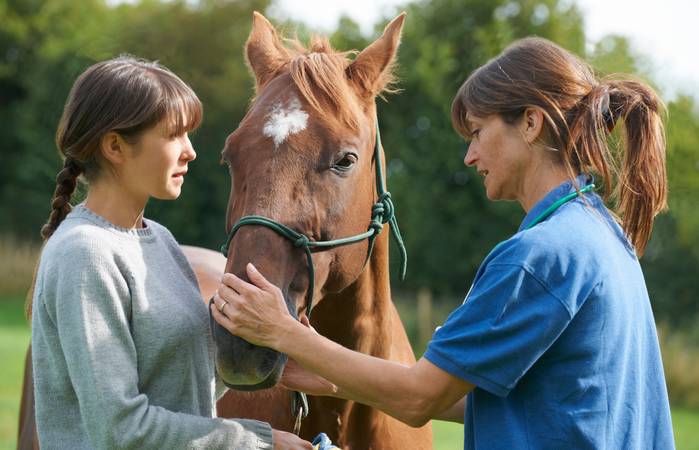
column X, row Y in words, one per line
column 159, row 229
column 79, row 240
column 84, row 247
column 83, row 262
column 548, row 247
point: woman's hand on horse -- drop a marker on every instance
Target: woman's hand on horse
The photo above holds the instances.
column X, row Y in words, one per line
column 254, row 311
column 288, row 441
column 296, row 378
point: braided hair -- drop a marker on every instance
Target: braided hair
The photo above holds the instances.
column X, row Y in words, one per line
column 66, row 181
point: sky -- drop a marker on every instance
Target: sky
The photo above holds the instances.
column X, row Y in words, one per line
column 665, row 33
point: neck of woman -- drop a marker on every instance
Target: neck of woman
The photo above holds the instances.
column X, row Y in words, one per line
column 542, row 179
column 116, row 204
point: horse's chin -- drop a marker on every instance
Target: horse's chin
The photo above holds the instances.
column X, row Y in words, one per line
column 253, row 382
column 244, row 366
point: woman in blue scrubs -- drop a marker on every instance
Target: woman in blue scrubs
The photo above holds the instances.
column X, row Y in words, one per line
column 555, row 345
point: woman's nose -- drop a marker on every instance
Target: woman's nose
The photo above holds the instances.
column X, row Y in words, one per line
column 470, row 158
column 188, row 153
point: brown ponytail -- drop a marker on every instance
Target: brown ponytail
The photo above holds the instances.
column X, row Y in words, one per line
column 580, row 114
column 632, row 168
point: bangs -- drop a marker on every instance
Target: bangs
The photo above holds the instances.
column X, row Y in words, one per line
column 180, row 108
column 459, row 118
column 159, row 96
column 489, row 90
column 460, row 111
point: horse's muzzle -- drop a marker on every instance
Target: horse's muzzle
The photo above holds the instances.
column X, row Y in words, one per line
column 244, row 366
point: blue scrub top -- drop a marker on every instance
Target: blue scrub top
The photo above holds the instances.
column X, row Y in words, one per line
column 557, row 335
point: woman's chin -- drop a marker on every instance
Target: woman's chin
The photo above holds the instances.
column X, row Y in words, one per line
column 169, row 194
column 492, row 194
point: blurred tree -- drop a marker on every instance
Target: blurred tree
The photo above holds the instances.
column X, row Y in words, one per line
column 671, row 263
column 683, row 170
column 448, row 223
column 42, row 49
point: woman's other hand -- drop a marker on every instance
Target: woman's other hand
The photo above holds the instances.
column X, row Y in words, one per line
column 296, row 378
column 289, row 441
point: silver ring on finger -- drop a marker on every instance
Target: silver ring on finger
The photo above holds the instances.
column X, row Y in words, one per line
column 222, row 306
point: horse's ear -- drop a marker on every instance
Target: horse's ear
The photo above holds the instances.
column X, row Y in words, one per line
column 371, row 70
column 264, row 51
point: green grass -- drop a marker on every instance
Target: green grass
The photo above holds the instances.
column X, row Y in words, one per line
column 686, row 426
column 14, row 338
column 447, row 435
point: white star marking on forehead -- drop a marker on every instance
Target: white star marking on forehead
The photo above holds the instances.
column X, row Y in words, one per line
column 283, row 122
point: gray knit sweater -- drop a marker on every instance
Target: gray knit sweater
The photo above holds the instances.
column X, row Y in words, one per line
column 122, row 350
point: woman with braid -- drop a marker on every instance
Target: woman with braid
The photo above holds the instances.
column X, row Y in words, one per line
column 122, row 352
column 555, row 345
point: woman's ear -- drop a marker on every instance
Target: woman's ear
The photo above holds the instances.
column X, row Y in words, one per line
column 532, row 124
column 113, row 148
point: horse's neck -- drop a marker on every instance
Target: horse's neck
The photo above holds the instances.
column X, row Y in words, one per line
column 360, row 317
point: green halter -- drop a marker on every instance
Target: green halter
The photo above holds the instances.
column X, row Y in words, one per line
column 382, row 212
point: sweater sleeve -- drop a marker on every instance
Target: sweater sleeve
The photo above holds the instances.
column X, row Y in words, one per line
column 221, row 388
column 91, row 312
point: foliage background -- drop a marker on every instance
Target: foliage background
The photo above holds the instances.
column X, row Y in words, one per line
column 45, row 44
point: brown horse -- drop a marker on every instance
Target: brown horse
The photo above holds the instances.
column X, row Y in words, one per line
column 303, row 156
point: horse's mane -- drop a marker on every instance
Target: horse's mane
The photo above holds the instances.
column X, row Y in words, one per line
column 320, row 74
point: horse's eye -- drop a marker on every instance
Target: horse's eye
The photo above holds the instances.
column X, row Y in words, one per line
column 347, row 161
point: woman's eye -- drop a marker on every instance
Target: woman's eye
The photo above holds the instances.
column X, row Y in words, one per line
column 346, row 162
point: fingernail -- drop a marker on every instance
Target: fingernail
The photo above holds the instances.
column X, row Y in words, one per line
column 252, row 267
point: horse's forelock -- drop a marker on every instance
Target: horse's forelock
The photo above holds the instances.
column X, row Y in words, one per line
column 320, row 74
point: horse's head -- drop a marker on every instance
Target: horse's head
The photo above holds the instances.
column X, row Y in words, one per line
column 303, row 156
